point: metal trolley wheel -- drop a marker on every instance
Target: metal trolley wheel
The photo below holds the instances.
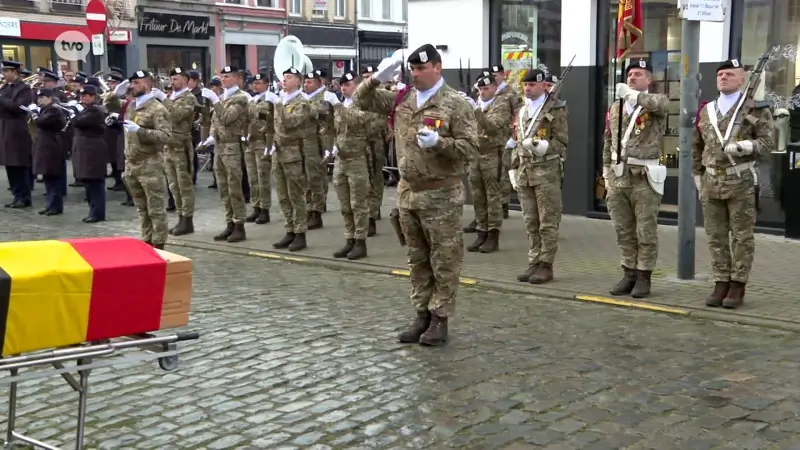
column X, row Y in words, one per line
column 169, row 363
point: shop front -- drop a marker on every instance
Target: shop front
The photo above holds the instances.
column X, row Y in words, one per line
column 373, row 46
column 330, row 48
column 167, row 41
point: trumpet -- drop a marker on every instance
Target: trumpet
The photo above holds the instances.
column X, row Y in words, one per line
column 33, row 81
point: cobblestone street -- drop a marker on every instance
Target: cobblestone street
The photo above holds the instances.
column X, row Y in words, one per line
column 297, row 356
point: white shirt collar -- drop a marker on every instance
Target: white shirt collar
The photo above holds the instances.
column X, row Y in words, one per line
column 424, row 96
column 176, row 94
column 348, row 102
column 142, row 99
column 287, row 97
column 230, row 91
column 501, row 86
column 485, row 104
column 727, row 101
column 314, row 94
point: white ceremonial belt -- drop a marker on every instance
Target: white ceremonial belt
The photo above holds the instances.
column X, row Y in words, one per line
column 737, row 169
column 642, row 162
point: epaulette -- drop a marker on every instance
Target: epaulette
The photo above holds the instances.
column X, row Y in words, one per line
column 762, row 104
column 559, row 104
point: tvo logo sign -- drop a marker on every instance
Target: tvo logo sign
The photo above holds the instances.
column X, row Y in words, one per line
column 72, row 46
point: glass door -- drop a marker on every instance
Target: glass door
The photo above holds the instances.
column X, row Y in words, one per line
column 195, row 59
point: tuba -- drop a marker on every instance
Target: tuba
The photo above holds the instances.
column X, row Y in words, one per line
column 288, row 54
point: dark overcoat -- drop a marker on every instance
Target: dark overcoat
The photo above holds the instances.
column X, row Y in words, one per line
column 90, row 154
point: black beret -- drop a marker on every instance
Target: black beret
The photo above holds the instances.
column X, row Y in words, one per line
column 321, row 73
column 552, row 78
column 194, row 75
column 730, row 64
column 49, row 75
column 178, row 71
column 369, row 69
column 313, row 75
column 229, row 69
column 535, row 76
column 497, row 68
column 261, row 77
column 215, row 82
column 44, row 92
column 485, row 81
column 114, row 76
column 292, row 71
column 88, row 90
column 639, row 64
column 139, row 75
column 426, row 53
column 348, row 77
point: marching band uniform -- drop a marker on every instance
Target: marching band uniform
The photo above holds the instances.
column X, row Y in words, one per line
column 49, row 151
column 15, row 139
column 90, row 155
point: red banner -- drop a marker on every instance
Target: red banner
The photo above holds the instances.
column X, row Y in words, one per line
column 629, row 26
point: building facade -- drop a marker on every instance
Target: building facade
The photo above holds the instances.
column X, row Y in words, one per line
column 519, row 33
column 249, row 31
column 328, row 33
column 28, row 31
column 381, row 29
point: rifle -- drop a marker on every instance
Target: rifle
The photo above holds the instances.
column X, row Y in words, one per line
column 394, row 218
column 551, row 99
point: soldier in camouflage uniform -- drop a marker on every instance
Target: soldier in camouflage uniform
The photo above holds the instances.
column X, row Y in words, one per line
column 202, row 118
column 147, row 129
column 260, row 138
column 179, row 150
column 537, row 173
column 322, row 127
column 351, row 171
column 229, row 124
column 632, row 174
column 292, row 116
column 726, row 178
column 515, row 97
column 493, row 116
column 378, row 139
column 436, row 136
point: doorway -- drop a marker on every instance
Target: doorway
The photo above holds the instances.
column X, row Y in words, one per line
column 236, row 55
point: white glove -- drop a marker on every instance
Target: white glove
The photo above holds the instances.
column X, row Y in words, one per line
column 606, row 173
column 471, row 102
column 210, row 141
column 427, row 138
column 72, row 103
column 332, row 153
column 267, row 151
column 78, row 107
column 540, row 147
column 271, row 97
column 510, row 144
column 113, row 117
column 400, row 85
column 31, row 107
column 386, row 70
column 122, row 88
column 130, row 127
column 34, row 115
column 625, row 92
column 272, row 150
column 209, row 94
column 528, row 145
column 698, row 182
column 740, row 148
column 158, row 93
column 512, row 176
column 331, row 98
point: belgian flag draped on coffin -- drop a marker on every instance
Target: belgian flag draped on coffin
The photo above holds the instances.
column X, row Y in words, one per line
column 59, row 293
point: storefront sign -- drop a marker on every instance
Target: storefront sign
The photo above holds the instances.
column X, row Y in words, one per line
column 10, row 27
column 320, row 5
column 509, row 35
column 175, row 26
column 324, row 36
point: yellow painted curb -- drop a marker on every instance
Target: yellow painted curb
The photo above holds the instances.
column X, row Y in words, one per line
column 266, row 255
column 407, row 273
column 636, row 305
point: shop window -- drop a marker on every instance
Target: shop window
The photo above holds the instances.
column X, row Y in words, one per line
column 237, row 55
column 266, row 55
column 15, row 53
column 530, row 36
column 41, row 56
column 162, row 59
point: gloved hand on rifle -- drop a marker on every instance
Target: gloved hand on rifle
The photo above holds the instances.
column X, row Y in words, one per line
column 536, row 147
column 624, row 92
column 741, row 148
column 112, row 119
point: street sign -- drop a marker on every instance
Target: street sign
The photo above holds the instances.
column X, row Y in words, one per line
column 98, row 44
column 96, row 17
column 702, row 10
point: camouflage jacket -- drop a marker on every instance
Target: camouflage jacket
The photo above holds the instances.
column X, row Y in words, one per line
column 112, row 103
column 352, row 130
column 378, row 127
column 181, row 111
column 291, row 124
column 513, row 96
column 143, row 149
column 534, row 170
column 647, row 136
column 230, row 121
column 445, row 112
column 323, row 120
column 494, row 127
column 262, row 125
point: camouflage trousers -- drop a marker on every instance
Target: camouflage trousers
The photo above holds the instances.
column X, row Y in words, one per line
column 229, row 171
column 148, row 187
column 179, row 161
column 634, row 214
column 376, row 180
column 317, row 184
column 435, row 247
column 291, row 184
column 485, row 174
column 505, row 180
column 259, row 169
column 351, row 181
column 729, row 225
column 541, row 209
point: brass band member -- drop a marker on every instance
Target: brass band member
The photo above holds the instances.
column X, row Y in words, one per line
column 90, row 153
column 15, row 139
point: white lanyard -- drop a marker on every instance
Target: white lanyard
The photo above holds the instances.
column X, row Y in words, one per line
column 522, row 115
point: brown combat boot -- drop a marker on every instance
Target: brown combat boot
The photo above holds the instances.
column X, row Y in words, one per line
column 642, row 287
column 238, row 234
column 625, row 285
column 177, row 225
column 372, row 230
column 159, row 246
column 359, row 250
column 492, row 242
column 419, row 326
column 285, row 241
column 263, row 217
column 225, row 233
column 721, row 289
column 436, row 334
column 542, row 274
column 475, row 246
column 253, row 215
column 299, row 243
column 185, row 226
column 315, row 221
column 735, row 297
column 471, row 228
column 526, row 276
column 505, row 210
column 344, row 251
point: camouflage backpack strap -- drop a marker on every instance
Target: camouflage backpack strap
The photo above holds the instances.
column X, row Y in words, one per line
column 401, row 95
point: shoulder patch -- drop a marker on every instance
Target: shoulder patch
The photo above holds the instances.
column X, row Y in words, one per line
column 762, row 104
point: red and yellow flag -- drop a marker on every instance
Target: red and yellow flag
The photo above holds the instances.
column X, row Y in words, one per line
column 629, row 26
